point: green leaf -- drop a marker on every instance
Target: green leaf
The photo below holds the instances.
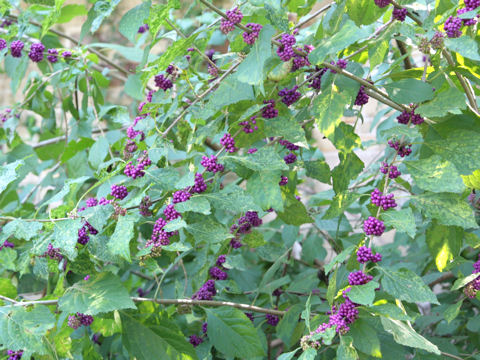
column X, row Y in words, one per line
column 472, row 181
column 447, row 208
column 287, row 325
column 133, row 87
column 22, row 229
column 8, row 259
column 270, row 273
column 363, row 294
column 133, row 19
column 163, row 341
column 406, row 91
column 158, row 15
column 465, row 46
column 444, row 243
column 119, row 243
column 252, row 69
column 461, row 282
column 461, row 148
column 100, row 294
column 343, row 137
column 208, row 232
column 68, row 12
column 289, row 355
column 306, row 313
column 363, row 12
column 98, row 152
column 290, row 130
column 405, row 335
column 328, row 110
column 365, row 338
column 346, row 351
column 350, row 167
column 436, row 175
column 71, row 185
column 406, row 285
column 26, row 330
column 197, row 204
column 400, row 220
column 97, row 216
column 391, row 311
column 232, row 333
column 175, row 224
column 263, row 187
column 378, row 50
column 232, row 198
column 348, row 34
column 230, row 91
column 65, row 237
column 332, row 287
column 339, row 204
column 295, row 212
column 452, row 311
column 451, row 100
column 8, row 173
column 339, row 258
column 319, row 170
column 7, row 289
column 264, row 159
column 254, row 239
column 308, row 354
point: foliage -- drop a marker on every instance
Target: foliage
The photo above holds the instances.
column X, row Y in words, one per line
column 183, row 226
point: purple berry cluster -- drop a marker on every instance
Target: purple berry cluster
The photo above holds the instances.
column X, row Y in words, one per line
column 300, row 61
column 211, row 165
column 359, row 278
column 162, row 82
column 3, row 44
column 315, row 82
column 119, row 192
column 402, row 149
column 228, row 142
column 288, row 145
column 7, row 244
column 206, row 292
column 14, row 355
column 16, row 48
column 130, row 148
column 234, row 17
column 52, row 55
column 373, row 226
column 249, row 126
column 217, row 273
column 466, row 22
column 272, row 319
column 341, row 63
column 283, row 181
column 399, row 14
column 385, row 201
column 53, row 253
column 362, row 97
column 382, row 3
column 170, row 213
column 199, row 185
column 290, row 96
column 251, row 37
column 244, row 226
column 269, row 111
column 407, row 117
column 36, row 52
column 132, row 133
column 180, row 196
column 195, row 340
column 365, row 254
column 391, row 170
column 79, row 319
column 290, row 158
column 84, row 232
column 473, row 286
column 145, row 205
column 452, row 27
column 143, row 28
column 135, row 171
column 252, row 151
column 285, row 51
column 160, row 237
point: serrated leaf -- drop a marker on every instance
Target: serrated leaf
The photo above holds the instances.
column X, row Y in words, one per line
column 435, row 174
column 98, row 152
column 465, row 46
column 328, row 110
column 21, row 229
column 232, row 198
column 391, row 311
column 462, row 148
column 363, row 12
column 306, row 313
column 289, row 355
column 406, row 285
column 444, row 243
column 332, row 287
column 451, row 100
column 251, row 71
column 65, row 235
column 319, row 170
column 346, row 351
column 365, row 338
column 339, row 258
column 264, row 159
column 119, row 243
column 133, row 19
column 232, row 333
column 447, row 208
column 401, row 220
column 25, row 330
column 254, row 239
column 452, row 311
column 405, row 335
column 406, row 91
column 461, row 282
column 290, row 130
column 263, row 187
column 175, row 225
column 350, row 166
column 8, row 173
column 70, row 185
column 197, row 204
column 339, row 204
column 363, row 294
column 208, row 231
column 295, row 212
column 162, row 341
column 287, row 325
column 343, row 137
column 100, row 294
column 472, row 181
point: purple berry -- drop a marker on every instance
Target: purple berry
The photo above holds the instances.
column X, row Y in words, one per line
column 452, row 27
column 289, row 96
column 162, row 82
column 170, row 213
column 204, row 327
column 290, row 158
column 229, row 143
column 373, row 226
column 362, row 97
column 52, row 55
column 471, row 4
column 285, row 50
column 382, row 3
column 252, row 150
column 269, row 111
column 36, row 52
column 221, row 260
column 180, row 196
column 211, row 165
column 359, row 278
column 466, row 22
column 234, row 17
column 400, row 14
column 288, row 145
column 217, row 273
column 3, row 44
column 391, row 170
column 195, row 340
column 16, row 48
column 283, row 181
column 249, row 126
column 144, row 206
column 206, row 292
column 66, row 54
column 119, row 191
column 402, row 149
column 364, row 254
column 250, row 38
column 385, row 201
column 199, row 185
column 272, row 319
